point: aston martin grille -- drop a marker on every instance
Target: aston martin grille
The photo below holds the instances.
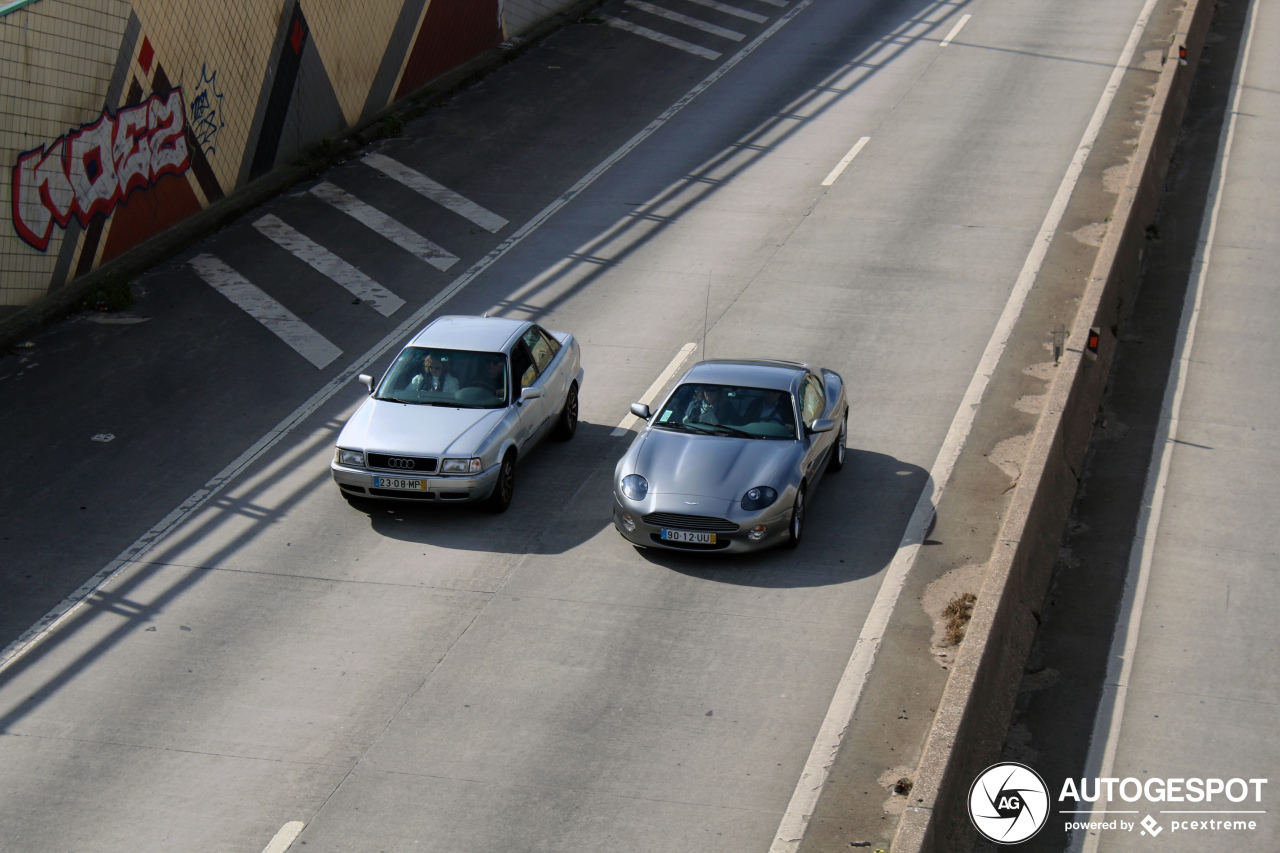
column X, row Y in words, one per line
column 405, row 464
column 689, row 522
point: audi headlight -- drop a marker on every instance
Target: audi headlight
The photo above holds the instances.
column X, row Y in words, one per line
column 351, row 457
column 635, row 487
column 460, row 466
column 758, row 498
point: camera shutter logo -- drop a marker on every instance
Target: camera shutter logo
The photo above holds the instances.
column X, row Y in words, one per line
column 1008, row 803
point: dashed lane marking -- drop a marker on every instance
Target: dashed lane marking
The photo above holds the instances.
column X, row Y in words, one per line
column 671, row 41
column 696, row 23
column 663, row 378
column 440, row 194
column 330, row 265
column 843, row 164
column 955, row 31
column 309, row 343
column 285, row 837
column 397, row 232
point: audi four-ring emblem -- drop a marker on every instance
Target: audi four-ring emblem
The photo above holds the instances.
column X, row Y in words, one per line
column 400, row 463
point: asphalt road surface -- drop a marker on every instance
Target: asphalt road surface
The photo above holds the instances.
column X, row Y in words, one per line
column 265, row 658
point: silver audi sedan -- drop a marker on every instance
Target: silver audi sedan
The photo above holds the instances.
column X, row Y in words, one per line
column 460, row 406
column 729, row 461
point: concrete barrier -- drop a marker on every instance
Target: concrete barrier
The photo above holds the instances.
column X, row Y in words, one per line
column 978, row 701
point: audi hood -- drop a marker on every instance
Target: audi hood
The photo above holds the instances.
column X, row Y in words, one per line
column 386, row 426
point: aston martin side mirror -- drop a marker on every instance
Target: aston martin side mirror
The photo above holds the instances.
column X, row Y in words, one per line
column 822, row 425
column 641, row 411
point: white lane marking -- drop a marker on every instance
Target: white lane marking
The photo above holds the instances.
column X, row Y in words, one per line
column 696, row 23
column 438, row 193
column 67, row 608
column 843, row 164
column 670, row 41
column 328, row 264
column 394, row 230
column 955, row 31
column 732, row 10
column 804, row 799
column 284, row 837
column 309, row 343
column 631, row 420
column 1105, row 738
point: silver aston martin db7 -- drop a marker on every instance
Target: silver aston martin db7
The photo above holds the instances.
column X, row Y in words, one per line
column 462, row 403
column 729, row 461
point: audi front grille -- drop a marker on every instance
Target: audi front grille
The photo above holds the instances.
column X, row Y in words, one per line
column 403, row 464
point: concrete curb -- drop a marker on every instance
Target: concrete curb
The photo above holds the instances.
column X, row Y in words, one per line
column 978, row 701
column 65, row 300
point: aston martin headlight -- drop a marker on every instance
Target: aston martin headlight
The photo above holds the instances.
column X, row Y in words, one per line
column 635, row 487
column 460, row 466
column 351, row 457
column 758, row 498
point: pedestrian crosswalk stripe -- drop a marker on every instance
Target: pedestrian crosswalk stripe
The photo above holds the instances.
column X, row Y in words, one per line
column 672, row 41
column 731, row 10
column 781, row 4
column 442, row 195
column 397, row 232
column 309, row 343
column 328, row 264
column 696, row 23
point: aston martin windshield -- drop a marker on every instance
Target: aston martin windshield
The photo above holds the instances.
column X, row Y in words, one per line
column 445, row 377
column 729, row 410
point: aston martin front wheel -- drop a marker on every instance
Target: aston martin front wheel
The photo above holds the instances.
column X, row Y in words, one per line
column 796, row 530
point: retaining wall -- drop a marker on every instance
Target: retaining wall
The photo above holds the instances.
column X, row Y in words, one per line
column 978, row 701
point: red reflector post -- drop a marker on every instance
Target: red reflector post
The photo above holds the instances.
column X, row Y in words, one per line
column 1091, row 347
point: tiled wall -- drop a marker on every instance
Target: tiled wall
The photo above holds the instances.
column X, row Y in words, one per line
column 86, row 92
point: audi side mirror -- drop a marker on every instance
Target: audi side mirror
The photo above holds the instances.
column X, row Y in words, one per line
column 530, row 394
column 367, row 381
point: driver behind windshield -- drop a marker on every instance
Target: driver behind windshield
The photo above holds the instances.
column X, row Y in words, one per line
column 434, row 375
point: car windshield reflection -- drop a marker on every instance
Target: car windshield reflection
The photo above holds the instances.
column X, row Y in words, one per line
column 445, row 377
column 729, row 410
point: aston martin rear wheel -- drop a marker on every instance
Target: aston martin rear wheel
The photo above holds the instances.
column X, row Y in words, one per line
column 503, row 489
column 796, row 530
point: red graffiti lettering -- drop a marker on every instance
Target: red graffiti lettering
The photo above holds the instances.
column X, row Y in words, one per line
column 90, row 170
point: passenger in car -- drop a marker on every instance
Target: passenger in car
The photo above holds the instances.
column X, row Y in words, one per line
column 770, row 407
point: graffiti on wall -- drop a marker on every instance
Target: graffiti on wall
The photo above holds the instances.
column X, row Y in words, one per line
column 90, row 170
column 206, row 111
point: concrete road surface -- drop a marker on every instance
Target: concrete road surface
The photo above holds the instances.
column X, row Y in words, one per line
column 853, row 184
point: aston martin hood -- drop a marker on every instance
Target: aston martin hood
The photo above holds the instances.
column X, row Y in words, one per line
column 714, row 466
column 417, row 430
